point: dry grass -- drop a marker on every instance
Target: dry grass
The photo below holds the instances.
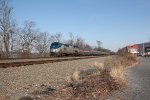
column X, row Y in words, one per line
column 113, row 70
column 115, row 67
column 109, row 77
column 75, row 77
column 98, row 66
column 127, row 59
column 117, row 73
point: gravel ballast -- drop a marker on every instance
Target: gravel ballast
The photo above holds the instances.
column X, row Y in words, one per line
column 17, row 82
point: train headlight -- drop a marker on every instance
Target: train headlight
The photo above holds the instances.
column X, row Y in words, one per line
column 56, row 50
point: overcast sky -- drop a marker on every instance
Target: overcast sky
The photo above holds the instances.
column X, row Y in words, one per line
column 116, row 23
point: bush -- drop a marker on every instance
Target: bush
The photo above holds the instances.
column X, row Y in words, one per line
column 114, row 67
column 127, row 60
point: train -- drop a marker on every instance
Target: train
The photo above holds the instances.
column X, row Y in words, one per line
column 60, row 49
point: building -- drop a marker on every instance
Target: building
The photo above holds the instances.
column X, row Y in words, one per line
column 133, row 49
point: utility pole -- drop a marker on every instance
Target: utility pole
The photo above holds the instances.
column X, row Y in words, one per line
column 143, row 48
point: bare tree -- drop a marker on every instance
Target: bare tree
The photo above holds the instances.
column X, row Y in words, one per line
column 1, row 46
column 80, row 43
column 14, row 37
column 99, row 43
column 5, row 24
column 88, row 47
column 56, row 38
column 28, row 37
column 42, row 43
column 71, row 41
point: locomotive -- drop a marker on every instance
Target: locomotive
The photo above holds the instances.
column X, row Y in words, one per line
column 60, row 49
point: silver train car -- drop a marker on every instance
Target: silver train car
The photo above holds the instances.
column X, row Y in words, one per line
column 60, row 49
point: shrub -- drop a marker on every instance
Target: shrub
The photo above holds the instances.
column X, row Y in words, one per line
column 98, row 66
column 114, row 67
column 117, row 73
column 127, row 60
column 74, row 77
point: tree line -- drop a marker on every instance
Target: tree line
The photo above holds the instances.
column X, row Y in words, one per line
column 27, row 40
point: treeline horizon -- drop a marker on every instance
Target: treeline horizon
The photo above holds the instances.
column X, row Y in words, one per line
column 27, row 39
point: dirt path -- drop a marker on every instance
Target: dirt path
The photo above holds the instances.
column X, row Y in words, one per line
column 138, row 83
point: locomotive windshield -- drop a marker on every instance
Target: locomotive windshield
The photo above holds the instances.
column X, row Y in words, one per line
column 55, row 45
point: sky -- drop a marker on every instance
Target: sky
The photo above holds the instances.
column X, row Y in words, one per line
column 116, row 23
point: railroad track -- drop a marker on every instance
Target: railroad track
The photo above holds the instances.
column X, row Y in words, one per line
column 17, row 63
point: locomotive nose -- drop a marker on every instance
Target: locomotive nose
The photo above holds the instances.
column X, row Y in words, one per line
column 54, row 50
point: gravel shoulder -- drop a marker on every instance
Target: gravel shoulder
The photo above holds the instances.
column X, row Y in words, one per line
column 20, row 81
column 138, row 78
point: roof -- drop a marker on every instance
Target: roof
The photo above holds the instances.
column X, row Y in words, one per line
column 133, row 46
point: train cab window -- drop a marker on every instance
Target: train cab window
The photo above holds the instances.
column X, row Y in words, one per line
column 55, row 45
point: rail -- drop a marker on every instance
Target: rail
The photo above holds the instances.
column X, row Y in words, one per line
column 17, row 63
